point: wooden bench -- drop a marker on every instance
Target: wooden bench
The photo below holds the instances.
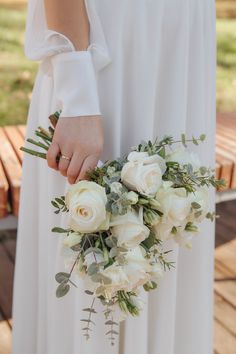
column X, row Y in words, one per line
column 226, row 155
column 12, row 137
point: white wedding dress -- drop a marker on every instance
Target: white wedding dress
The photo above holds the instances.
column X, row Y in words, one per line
column 155, row 67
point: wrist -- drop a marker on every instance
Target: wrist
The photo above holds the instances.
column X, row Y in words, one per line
column 75, row 86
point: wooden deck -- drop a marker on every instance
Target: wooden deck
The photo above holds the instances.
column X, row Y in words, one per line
column 225, row 283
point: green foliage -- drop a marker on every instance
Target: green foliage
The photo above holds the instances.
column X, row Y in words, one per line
column 60, row 206
column 226, row 64
column 17, row 73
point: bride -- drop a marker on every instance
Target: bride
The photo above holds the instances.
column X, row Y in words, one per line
column 121, row 71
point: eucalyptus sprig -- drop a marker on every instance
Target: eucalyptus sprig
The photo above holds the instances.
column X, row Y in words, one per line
column 45, row 138
column 88, row 321
column 158, row 147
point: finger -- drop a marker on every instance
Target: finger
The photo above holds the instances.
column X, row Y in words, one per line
column 89, row 164
column 64, row 163
column 75, row 167
column 52, row 154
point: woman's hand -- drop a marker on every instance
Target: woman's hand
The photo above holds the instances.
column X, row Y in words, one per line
column 81, row 140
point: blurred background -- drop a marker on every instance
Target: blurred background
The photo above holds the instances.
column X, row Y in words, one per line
column 17, row 75
column 17, row 72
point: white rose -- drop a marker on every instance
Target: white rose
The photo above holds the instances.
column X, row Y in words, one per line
column 72, row 239
column 86, row 202
column 143, row 173
column 184, row 157
column 129, row 229
column 163, row 231
column 137, row 156
column 137, row 268
column 175, row 204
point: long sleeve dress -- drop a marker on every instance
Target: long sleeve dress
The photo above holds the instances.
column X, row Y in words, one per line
column 155, row 72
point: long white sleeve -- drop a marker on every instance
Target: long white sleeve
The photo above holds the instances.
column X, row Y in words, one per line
column 73, row 72
column 75, row 86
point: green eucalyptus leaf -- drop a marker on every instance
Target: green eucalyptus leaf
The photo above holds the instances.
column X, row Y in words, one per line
column 62, row 277
column 93, row 268
column 111, row 323
column 88, row 292
column 62, row 290
column 89, row 309
column 93, row 249
column 112, row 331
column 87, row 320
column 111, row 241
column 59, row 230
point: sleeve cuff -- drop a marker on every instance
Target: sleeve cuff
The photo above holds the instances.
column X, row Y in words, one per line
column 75, row 85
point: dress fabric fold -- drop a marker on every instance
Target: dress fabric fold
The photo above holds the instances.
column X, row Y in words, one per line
column 155, row 72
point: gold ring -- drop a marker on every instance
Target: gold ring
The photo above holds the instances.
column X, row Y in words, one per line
column 65, row 157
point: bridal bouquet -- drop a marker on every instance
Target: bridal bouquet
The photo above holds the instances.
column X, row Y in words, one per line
column 121, row 218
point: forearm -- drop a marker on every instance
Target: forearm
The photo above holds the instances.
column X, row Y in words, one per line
column 69, row 17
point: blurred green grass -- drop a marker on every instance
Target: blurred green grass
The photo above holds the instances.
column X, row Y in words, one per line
column 17, row 72
column 226, row 65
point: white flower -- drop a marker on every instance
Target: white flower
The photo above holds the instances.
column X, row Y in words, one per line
column 162, row 230
column 86, row 202
column 136, row 267
column 118, row 278
column 137, row 302
column 184, row 157
column 175, row 204
column 129, row 228
column 72, row 239
column 137, row 156
column 143, row 173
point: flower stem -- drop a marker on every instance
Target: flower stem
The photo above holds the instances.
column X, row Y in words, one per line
column 33, row 152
